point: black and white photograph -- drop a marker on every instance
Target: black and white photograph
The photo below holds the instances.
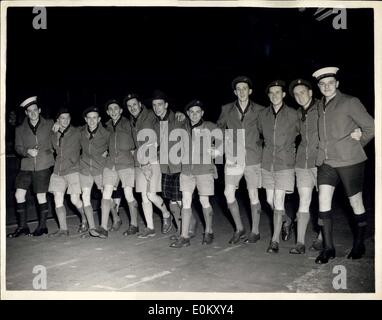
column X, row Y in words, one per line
column 190, row 149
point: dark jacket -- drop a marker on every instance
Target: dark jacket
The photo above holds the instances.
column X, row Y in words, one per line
column 308, row 148
column 26, row 139
column 342, row 115
column 121, row 145
column 279, row 134
column 92, row 161
column 67, row 151
column 145, row 120
column 230, row 118
column 194, row 151
column 167, row 166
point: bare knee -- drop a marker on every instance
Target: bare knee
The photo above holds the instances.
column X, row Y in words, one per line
column 86, row 197
column 253, row 196
column 187, row 200
column 205, row 201
column 229, row 193
column 128, row 191
column 41, row 197
column 20, row 195
column 75, row 199
column 58, row 199
column 356, row 202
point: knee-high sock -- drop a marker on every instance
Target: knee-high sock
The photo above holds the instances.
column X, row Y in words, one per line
column 186, row 217
column 133, row 208
column 327, row 228
column 82, row 212
column 176, row 212
column 277, row 224
column 61, row 215
column 21, row 209
column 89, row 216
column 43, row 209
column 255, row 212
column 359, row 236
column 234, row 209
column 302, row 224
column 148, row 212
column 208, row 214
column 114, row 211
column 105, row 209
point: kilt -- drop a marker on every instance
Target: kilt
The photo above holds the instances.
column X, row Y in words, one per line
column 171, row 186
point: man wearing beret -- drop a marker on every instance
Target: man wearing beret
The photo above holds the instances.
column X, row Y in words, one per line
column 198, row 170
column 279, row 125
column 119, row 166
column 147, row 171
column 94, row 145
column 241, row 116
column 66, row 177
column 341, row 158
column 32, row 143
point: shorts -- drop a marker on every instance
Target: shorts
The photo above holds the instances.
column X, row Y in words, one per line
column 112, row 177
column 171, row 186
column 69, row 183
column 306, row 178
column 152, row 184
column 38, row 179
column 278, row 180
column 204, row 183
column 351, row 176
column 252, row 175
column 88, row 181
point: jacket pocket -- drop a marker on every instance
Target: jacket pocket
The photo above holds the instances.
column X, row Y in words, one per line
column 349, row 149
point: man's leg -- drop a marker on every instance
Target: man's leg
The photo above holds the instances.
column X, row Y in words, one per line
column 21, row 210
column 61, row 215
column 133, row 209
column 184, row 240
column 105, row 209
column 233, row 207
column 254, row 235
column 43, row 212
column 360, row 217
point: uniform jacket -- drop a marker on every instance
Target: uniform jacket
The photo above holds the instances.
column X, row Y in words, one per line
column 167, row 166
column 308, row 148
column 230, row 118
column 279, row 134
column 26, row 139
column 194, row 151
column 67, row 151
column 92, row 160
column 121, row 144
column 337, row 121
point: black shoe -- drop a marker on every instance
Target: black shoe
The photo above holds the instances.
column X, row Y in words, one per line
column 59, row 233
column 237, row 236
column 167, row 225
column 40, row 231
column 181, row 243
column 116, row 225
column 357, row 252
column 103, row 234
column 298, row 249
column 83, row 227
column 317, row 245
column 273, row 247
column 131, row 230
column 208, row 238
column 252, row 238
column 19, row 232
column 286, row 230
column 325, row 256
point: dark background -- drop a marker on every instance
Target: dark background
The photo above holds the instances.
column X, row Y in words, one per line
column 88, row 55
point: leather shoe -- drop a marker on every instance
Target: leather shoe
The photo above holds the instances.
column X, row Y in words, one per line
column 59, row 233
column 83, row 227
column 208, row 238
column 40, row 231
column 103, row 234
column 180, row 243
column 131, row 230
column 116, row 225
column 325, row 256
column 19, row 232
column 317, row 245
column 286, row 230
column 357, row 252
column 298, row 249
column 273, row 247
column 167, row 225
column 252, row 238
column 237, row 236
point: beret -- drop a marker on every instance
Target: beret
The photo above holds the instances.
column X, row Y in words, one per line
column 298, row 82
column 241, row 79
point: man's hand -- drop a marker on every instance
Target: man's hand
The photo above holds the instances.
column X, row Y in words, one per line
column 33, row 152
column 105, row 154
column 356, row 134
column 56, row 127
column 179, row 116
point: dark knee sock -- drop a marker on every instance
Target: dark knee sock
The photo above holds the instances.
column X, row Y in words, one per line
column 43, row 209
column 327, row 228
column 208, row 214
column 89, row 216
column 235, row 212
column 133, row 208
column 21, row 209
column 361, row 221
column 255, row 212
column 302, row 224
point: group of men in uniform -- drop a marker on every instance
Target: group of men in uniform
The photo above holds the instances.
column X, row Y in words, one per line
column 260, row 145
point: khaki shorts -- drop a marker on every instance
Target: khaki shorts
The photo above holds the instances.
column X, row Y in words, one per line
column 112, row 177
column 278, row 180
column 88, row 181
column 153, row 184
column 306, row 178
column 252, row 175
column 69, row 183
column 204, row 183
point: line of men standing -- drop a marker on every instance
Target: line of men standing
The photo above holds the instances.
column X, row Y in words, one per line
column 333, row 132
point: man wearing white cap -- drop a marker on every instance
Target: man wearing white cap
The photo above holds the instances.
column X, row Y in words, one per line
column 341, row 158
column 32, row 143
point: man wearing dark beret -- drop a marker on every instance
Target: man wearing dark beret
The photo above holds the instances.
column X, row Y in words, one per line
column 32, row 143
column 341, row 158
